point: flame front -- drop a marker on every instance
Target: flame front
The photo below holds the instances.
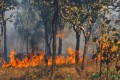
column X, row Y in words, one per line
column 36, row 60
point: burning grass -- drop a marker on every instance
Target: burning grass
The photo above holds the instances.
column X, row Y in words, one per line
column 34, row 68
column 36, row 60
column 62, row 72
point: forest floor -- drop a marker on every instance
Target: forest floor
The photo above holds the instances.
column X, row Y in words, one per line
column 63, row 72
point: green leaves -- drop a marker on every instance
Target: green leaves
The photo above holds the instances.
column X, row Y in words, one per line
column 95, row 75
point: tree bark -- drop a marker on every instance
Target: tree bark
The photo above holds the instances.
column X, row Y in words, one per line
column 5, row 43
column 0, row 48
column 27, row 45
column 86, row 46
column 101, row 53
column 60, row 45
column 5, row 37
column 61, row 27
column 48, row 49
column 77, row 47
column 1, row 40
column 84, row 61
column 54, row 27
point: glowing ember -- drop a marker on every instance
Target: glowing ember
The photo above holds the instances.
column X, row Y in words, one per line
column 99, row 57
column 60, row 35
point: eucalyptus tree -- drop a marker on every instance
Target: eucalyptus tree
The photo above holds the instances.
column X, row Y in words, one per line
column 83, row 15
column 47, row 22
column 45, row 11
column 71, row 12
column 75, row 14
column 61, row 25
column 6, row 5
column 28, row 25
column 54, row 28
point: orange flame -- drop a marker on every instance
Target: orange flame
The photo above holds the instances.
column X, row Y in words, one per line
column 36, row 60
column 60, row 35
column 118, row 42
column 99, row 57
column 25, row 62
column 114, row 48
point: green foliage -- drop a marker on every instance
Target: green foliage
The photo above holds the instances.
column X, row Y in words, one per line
column 68, row 77
column 113, row 75
column 6, row 5
column 95, row 75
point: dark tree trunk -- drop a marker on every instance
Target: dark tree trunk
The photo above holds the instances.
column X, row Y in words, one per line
column 32, row 44
column 77, row 47
column 101, row 53
column 77, row 44
column 61, row 27
column 86, row 46
column 27, row 45
column 5, row 43
column 0, row 48
column 101, row 59
column 60, row 45
column 5, row 37
column 48, row 49
column 107, row 67
column 84, row 61
column 1, row 39
column 54, row 27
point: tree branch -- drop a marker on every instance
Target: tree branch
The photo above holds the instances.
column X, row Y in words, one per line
column 10, row 16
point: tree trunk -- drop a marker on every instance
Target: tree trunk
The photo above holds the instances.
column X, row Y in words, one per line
column 77, row 47
column 32, row 44
column 5, row 42
column 47, row 46
column 61, row 27
column 0, row 48
column 60, row 45
column 107, row 71
column 101, row 53
column 5, row 37
column 1, row 40
column 48, row 50
column 54, row 27
column 27, row 45
column 84, row 61
column 86, row 46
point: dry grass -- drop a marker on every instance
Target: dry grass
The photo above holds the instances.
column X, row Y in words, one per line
column 64, row 72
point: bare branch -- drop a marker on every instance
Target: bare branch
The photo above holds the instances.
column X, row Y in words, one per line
column 10, row 16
